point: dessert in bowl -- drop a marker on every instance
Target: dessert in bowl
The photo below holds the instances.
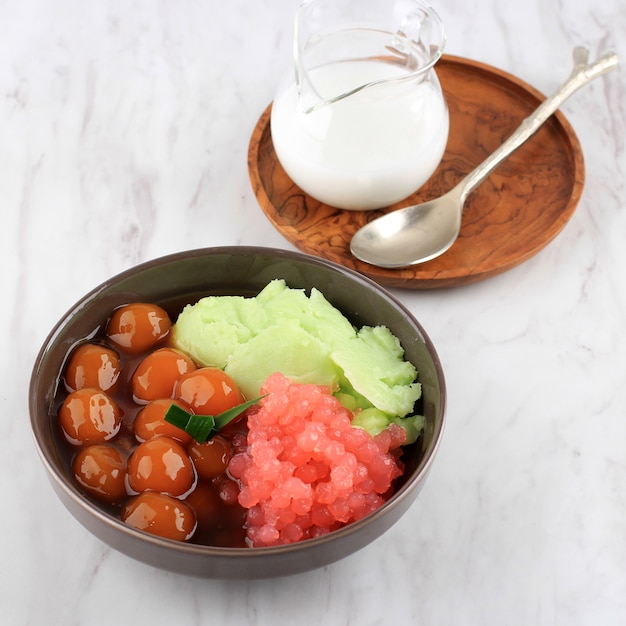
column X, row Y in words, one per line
column 176, row 283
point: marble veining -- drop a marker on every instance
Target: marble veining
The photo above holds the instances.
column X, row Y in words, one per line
column 124, row 131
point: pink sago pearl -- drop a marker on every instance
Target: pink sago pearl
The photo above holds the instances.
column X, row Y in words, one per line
column 306, row 470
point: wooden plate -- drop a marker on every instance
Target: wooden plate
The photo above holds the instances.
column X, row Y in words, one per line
column 515, row 213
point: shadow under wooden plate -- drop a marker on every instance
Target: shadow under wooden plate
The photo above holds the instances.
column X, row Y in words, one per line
column 515, row 213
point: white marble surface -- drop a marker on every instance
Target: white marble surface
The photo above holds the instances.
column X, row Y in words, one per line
column 124, row 129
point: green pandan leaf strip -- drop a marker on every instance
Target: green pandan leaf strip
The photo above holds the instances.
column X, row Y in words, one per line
column 228, row 416
column 177, row 416
column 203, row 427
column 200, row 427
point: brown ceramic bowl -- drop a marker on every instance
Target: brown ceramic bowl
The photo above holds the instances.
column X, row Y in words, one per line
column 178, row 279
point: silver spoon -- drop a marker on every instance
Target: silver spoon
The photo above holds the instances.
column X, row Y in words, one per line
column 424, row 231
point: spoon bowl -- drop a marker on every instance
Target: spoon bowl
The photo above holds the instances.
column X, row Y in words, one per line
column 422, row 232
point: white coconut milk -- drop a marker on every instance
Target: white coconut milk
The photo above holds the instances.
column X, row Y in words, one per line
column 365, row 151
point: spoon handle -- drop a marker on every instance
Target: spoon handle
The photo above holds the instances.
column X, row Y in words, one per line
column 581, row 75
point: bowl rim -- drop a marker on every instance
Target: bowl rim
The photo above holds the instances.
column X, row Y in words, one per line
column 61, row 480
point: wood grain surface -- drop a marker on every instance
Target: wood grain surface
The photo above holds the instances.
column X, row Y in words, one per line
column 510, row 217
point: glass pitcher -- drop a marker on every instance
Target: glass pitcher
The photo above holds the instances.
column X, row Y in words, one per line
column 361, row 121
